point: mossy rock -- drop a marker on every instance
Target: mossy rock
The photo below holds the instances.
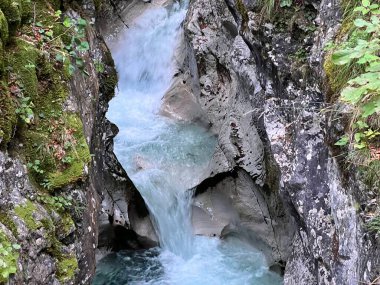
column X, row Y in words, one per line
column 67, row 266
column 9, row 256
column 26, row 213
column 46, row 85
column 12, row 10
column 4, row 33
column 27, row 10
column 16, row 13
column 80, row 154
column 65, row 226
column 8, row 118
column 242, row 11
column 21, row 59
column 1, row 59
column 7, row 220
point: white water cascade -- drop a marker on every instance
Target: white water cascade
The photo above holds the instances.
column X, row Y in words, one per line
column 164, row 158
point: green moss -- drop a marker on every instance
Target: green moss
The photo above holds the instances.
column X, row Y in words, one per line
column 242, row 11
column 65, row 225
column 7, row 221
column 48, row 226
column 66, row 267
column 27, row 10
column 335, row 82
column 374, row 224
column 109, row 84
column 79, row 153
column 371, row 175
column 21, row 59
column 109, row 78
column 8, row 256
column 12, row 10
column 46, row 86
column 339, row 75
column 8, row 116
column 25, row 212
column 4, row 33
column 17, row 59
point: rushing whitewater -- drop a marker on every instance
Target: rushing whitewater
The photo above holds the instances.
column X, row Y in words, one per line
column 164, row 159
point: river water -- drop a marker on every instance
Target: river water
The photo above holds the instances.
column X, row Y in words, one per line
column 164, row 158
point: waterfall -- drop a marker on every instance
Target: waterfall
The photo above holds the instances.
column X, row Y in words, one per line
column 160, row 156
column 164, row 159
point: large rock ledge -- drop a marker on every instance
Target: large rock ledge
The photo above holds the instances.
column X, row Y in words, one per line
column 272, row 180
column 58, row 245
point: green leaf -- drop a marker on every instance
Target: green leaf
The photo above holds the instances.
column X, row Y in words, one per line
column 84, row 46
column 358, row 137
column 71, row 69
column 353, row 94
column 16, row 246
column 366, row 3
column 361, row 125
column 360, row 145
column 368, row 77
column 375, row 20
column 373, row 85
column 359, row 9
column 369, row 109
column 59, row 57
column 343, row 141
column 341, row 57
column 79, row 62
column 67, row 22
column 373, row 67
column 286, row 3
column 361, row 23
column 367, row 58
column 82, row 23
column 58, row 13
column 77, row 40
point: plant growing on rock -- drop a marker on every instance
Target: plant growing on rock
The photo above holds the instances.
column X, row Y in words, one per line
column 362, row 92
column 73, row 36
column 8, row 257
column 57, row 202
column 25, row 110
column 77, row 44
column 35, row 166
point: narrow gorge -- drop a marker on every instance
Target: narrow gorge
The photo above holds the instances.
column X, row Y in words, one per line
column 189, row 142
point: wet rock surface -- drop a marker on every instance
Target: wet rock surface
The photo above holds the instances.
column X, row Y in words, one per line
column 272, row 181
column 58, row 246
column 262, row 87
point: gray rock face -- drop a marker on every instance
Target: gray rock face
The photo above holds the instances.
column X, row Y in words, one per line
column 236, row 196
column 272, row 172
column 181, row 101
column 35, row 227
column 56, row 247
